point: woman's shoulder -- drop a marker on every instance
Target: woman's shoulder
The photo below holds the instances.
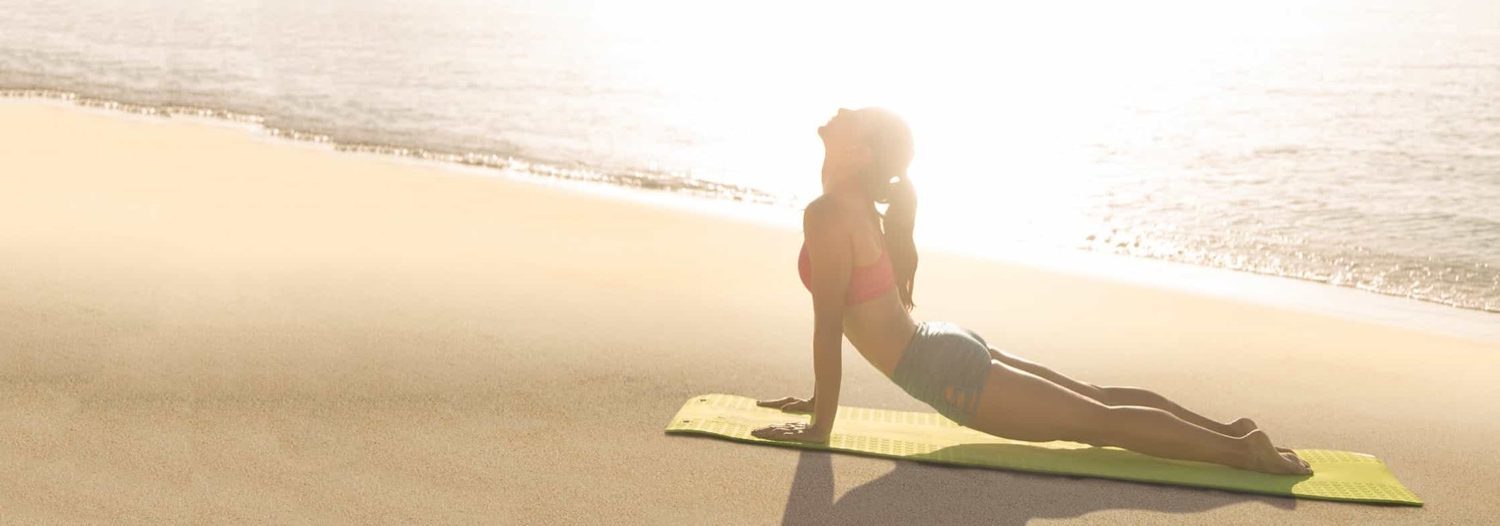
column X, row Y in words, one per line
column 828, row 211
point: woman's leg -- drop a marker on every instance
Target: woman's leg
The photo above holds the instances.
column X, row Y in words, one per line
column 1113, row 395
column 1019, row 405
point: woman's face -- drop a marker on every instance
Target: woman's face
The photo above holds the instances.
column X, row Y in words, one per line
column 842, row 144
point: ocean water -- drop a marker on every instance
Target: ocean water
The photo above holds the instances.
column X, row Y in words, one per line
column 1354, row 143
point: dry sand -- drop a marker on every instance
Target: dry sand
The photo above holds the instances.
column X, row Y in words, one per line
column 199, row 324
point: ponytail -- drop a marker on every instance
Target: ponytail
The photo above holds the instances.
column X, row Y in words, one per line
column 899, row 222
column 886, row 181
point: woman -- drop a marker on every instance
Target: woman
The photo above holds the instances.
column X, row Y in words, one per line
column 859, row 266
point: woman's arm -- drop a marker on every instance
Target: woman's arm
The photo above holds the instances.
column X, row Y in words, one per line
column 832, row 263
column 828, row 375
column 832, row 260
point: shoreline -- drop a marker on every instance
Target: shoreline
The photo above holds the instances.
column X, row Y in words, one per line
column 549, row 169
column 1266, row 289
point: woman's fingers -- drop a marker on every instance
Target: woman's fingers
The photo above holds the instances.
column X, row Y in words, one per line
column 778, row 431
column 787, row 403
column 777, row 403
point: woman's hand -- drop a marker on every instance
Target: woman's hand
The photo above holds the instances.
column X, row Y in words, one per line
column 795, row 431
column 788, row 404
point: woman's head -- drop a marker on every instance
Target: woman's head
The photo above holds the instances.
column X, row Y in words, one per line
column 868, row 151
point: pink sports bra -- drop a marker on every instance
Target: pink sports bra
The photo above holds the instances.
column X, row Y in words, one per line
column 865, row 282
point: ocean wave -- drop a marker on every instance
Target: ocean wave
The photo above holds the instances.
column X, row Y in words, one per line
column 1469, row 285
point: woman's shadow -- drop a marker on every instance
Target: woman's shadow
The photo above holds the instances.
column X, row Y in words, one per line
column 915, row 492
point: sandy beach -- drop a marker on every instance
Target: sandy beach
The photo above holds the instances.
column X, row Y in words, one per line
column 202, row 324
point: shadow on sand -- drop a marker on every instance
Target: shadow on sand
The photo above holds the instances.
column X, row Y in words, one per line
column 919, row 493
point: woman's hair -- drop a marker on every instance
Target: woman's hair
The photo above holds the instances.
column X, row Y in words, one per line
column 889, row 139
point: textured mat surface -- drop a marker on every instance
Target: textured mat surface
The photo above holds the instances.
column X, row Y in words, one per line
column 928, row 437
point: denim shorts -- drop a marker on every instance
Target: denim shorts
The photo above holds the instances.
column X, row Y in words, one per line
column 942, row 355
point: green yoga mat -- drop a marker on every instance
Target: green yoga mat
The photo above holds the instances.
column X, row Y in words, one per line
column 929, row 437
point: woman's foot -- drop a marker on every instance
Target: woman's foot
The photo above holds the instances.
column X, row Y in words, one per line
column 1266, row 458
column 1240, row 427
column 1244, row 426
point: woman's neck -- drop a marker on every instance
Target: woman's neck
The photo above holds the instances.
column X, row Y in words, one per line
column 844, row 186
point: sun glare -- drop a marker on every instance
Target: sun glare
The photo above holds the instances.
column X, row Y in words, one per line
column 1011, row 105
